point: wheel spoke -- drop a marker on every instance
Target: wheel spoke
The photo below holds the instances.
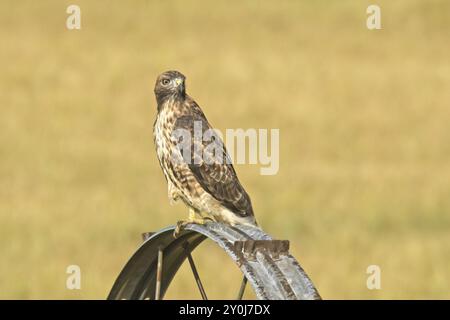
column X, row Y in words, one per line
column 159, row 274
column 196, row 276
column 242, row 289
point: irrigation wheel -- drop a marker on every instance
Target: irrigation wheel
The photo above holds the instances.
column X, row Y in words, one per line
column 265, row 263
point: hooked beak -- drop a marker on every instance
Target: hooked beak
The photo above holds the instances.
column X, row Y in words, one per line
column 178, row 81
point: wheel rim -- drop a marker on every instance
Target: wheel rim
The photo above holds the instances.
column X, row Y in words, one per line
column 271, row 274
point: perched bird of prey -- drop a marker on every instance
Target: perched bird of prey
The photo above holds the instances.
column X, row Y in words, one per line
column 205, row 182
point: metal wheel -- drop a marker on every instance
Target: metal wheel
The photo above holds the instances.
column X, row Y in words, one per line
column 265, row 263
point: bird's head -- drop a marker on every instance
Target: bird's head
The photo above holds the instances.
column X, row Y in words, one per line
column 170, row 84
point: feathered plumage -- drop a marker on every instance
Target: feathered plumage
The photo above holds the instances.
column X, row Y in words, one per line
column 206, row 181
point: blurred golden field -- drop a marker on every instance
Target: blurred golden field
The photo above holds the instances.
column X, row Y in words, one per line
column 364, row 138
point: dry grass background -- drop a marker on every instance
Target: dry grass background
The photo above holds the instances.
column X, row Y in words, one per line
column 363, row 115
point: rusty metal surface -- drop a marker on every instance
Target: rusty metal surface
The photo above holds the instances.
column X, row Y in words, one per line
column 271, row 271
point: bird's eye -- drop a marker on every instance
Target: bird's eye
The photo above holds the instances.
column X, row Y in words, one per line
column 165, row 82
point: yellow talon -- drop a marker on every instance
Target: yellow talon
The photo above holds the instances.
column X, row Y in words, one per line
column 191, row 219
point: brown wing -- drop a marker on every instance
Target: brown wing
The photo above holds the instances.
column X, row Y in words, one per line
column 214, row 170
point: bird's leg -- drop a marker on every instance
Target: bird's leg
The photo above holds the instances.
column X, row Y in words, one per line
column 191, row 219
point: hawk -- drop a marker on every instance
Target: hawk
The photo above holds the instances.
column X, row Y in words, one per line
column 206, row 181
